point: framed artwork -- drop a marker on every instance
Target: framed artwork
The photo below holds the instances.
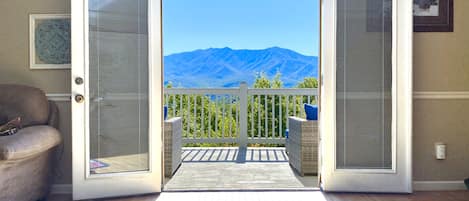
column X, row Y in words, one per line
column 433, row 15
column 49, row 41
column 429, row 15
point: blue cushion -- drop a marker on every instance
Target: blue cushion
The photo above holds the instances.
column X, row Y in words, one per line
column 311, row 112
column 165, row 111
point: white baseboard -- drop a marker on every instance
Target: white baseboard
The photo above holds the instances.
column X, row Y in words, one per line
column 439, row 185
column 61, row 189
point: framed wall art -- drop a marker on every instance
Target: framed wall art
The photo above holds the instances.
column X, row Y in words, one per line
column 433, row 15
column 429, row 15
column 49, row 41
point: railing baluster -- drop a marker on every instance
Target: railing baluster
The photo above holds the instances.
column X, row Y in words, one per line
column 238, row 108
column 288, row 109
column 209, row 118
column 309, row 99
column 223, row 116
column 281, row 116
column 294, row 105
column 188, row 122
column 230, row 117
column 216, row 116
column 258, row 116
column 202, row 130
column 273, row 116
column 266, row 123
column 174, row 105
column 195, row 116
column 302, row 107
column 181, row 113
column 252, row 115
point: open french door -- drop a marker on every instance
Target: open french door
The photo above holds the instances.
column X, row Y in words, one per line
column 366, row 95
column 116, row 97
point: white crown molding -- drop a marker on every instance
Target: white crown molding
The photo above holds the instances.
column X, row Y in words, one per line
column 439, row 185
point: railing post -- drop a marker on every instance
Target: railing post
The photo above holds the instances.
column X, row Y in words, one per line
column 243, row 115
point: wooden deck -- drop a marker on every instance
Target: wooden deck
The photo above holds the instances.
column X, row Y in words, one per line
column 233, row 169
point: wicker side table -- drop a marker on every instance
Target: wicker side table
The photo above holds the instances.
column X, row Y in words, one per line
column 302, row 145
column 172, row 145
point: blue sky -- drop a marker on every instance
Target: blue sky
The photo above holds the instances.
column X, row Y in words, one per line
column 241, row 24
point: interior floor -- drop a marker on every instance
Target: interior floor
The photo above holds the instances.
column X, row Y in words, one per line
column 282, row 196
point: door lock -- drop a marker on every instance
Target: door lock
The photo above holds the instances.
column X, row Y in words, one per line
column 79, row 98
column 79, row 80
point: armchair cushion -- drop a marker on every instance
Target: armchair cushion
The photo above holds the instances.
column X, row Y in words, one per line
column 28, row 142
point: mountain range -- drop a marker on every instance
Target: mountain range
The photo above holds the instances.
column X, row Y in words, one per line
column 226, row 67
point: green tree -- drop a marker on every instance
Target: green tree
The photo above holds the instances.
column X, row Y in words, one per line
column 308, row 82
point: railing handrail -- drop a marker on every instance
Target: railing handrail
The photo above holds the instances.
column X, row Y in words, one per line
column 284, row 91
column 235, row 91
column 201, row 91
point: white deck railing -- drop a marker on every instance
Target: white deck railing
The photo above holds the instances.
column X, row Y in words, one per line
column 236, row 115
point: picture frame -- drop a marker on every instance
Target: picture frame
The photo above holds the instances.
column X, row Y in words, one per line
column 49, row 41
column 433, row 15
column 429, row 15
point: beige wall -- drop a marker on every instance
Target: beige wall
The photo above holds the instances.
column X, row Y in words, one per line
column 14, row 63
column 14, row 49
column 441, row 64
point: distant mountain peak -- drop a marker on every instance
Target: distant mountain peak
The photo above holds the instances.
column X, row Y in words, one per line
column 226, row 67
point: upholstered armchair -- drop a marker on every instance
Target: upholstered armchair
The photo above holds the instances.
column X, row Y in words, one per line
column 27, row 157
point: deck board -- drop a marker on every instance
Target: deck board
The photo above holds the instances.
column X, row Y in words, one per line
column 229, row 168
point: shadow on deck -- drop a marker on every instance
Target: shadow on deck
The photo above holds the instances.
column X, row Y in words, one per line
column 233, row 154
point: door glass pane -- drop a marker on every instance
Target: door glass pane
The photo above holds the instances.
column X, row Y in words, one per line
column 364, row 83
column 118, row 88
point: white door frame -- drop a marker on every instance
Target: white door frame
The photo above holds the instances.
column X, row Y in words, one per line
column 85, row 185
column 399, row 178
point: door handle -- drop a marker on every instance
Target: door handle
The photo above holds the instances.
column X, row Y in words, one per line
column 79, row 98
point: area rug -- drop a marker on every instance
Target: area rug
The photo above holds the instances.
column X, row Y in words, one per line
column 95, row 164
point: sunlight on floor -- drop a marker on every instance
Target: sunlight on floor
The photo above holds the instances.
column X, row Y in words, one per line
column 245, row 196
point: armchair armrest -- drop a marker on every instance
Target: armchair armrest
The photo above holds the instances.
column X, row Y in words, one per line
column 53, row 115
column 28, row 142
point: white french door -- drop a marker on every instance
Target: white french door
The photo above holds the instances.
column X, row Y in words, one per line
column 366, row 95
column 116, row 97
